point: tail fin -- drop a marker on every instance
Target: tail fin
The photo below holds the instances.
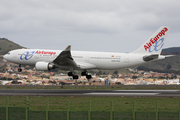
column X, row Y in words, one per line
column 155, row 43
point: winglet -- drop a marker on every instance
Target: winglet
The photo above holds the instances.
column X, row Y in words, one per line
column 68, row 48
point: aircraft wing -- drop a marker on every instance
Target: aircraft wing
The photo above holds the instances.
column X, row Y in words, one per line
column 65, row 60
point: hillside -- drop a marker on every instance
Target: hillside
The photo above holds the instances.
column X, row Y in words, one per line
column 172, row 50
column 162, row 64
column 7, row 45
column 173, row 62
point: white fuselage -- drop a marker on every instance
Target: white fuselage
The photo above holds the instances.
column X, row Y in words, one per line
column 84, row 59
column 67, row 59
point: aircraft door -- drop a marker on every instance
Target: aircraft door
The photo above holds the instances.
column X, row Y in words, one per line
column 88, row 56
column 126, row 59
column 15, row 54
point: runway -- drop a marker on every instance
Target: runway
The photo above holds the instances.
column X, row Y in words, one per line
column 75, row 92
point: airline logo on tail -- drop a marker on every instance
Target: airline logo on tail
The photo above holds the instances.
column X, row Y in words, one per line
column 158, row 43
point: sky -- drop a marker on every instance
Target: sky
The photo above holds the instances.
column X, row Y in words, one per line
column 88, row 25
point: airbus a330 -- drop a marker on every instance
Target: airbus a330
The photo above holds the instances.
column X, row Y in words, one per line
column 83, row 60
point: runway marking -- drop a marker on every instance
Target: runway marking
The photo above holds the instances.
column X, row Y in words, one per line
column 151, row 90
column 121, row 93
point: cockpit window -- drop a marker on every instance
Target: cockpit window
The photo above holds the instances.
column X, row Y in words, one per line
column 8, row 53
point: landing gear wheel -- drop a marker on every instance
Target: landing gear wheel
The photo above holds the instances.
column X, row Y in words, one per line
column 88, row 77
column 19, row 70
column 84, row 73
column 75, row 77
column 70, row 73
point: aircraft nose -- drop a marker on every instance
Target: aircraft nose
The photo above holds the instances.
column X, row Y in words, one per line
column 5, row 57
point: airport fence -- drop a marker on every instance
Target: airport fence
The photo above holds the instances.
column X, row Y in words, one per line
column 24, row 113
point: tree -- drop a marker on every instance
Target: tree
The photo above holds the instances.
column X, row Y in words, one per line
column 118, row 83
column 49, row 81
column 168, row 66
column 115, row 72
column 54, row 82
column 99, row 73
column 134, row 77
column 43, row 82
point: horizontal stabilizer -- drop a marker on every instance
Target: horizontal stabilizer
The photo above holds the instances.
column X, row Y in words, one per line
column 168, row 56
column 150, row 57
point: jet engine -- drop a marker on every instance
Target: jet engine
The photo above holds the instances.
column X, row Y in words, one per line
column 42, row 66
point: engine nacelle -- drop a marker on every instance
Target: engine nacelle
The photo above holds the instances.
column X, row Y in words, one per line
column 42, row 66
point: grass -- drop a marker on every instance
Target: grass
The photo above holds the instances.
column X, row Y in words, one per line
column 38, row 103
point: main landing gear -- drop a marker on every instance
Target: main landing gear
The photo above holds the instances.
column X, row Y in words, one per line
column 84, row 73
column 73, row 75
column 19, row 69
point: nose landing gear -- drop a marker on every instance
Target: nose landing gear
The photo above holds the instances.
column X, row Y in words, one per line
column 19, row 69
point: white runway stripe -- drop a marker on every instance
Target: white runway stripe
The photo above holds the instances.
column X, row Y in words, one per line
column 151, row 90
column 121, row 93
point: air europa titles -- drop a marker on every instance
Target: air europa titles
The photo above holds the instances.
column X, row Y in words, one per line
column 45, row 53
column 153, row 40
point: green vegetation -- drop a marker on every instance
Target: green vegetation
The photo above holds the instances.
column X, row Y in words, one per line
column 172, row 50
column 7, row 45
column 168, row 65
column 97, row 103
column 158, row 70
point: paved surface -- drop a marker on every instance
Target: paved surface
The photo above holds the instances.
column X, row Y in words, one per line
column 67, row 92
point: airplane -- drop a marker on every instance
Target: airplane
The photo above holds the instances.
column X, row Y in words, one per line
column 66, row 59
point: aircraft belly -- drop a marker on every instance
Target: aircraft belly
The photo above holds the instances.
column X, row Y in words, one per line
column 126, row 61
column 106, row 64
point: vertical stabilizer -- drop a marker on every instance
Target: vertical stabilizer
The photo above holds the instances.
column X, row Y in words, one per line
column 155, row 43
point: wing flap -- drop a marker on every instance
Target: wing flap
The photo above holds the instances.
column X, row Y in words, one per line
column 83, row 65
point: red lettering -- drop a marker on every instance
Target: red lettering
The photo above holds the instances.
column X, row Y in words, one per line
column 152, row 41
column 165, row 29
column 157, row 36
column 160, row 34
column 44, row 52
column 150, row 44
column 155, row 39
column 163, row 32
column 146, row 47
